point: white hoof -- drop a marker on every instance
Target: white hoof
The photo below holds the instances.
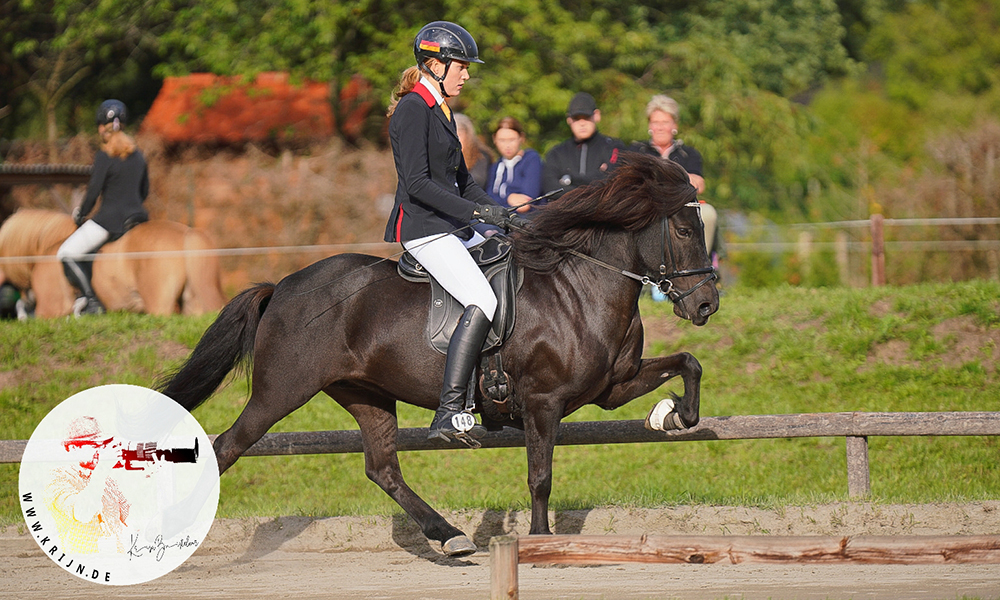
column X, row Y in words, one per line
column 663, row 417
column 459, row 546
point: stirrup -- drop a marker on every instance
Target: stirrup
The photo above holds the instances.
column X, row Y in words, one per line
column 455, row 436
column 87, row 306
column 459, row 427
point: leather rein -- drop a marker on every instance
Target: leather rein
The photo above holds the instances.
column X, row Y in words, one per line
column 665, row 278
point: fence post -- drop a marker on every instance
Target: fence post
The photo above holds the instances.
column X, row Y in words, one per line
column 503, row 567
column 804, row 251
column 878, row 251
column 843, row 258
column 858, row 477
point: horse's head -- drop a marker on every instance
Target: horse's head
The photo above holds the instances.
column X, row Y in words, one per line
column 650, row 206
column 675, row 250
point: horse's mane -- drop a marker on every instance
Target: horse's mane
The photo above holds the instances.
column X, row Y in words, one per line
column 31, row 232
column 642, row 190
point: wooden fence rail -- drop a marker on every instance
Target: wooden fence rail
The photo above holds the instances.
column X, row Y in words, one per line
column 506, row 552
column 856, row 427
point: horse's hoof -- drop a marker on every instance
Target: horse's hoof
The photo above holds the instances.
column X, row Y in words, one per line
column 459, row 546
column 663, row 417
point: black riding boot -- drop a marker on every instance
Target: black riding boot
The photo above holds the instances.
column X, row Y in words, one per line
column 463, row 353
column 79, row 273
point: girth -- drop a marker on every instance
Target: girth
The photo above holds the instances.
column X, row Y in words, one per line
column 496, row 260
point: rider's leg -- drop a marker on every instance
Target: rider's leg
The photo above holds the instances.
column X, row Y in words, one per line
column 710, row 218
column 79, row 268
column 446, row 259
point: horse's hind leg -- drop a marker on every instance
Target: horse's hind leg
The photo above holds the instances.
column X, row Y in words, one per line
column 276, row 391
column 679, row 413
column 376, row 416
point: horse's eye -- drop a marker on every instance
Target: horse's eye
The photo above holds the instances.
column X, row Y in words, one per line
column 684, row 232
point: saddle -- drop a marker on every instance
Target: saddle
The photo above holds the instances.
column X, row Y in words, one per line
column 495, row 258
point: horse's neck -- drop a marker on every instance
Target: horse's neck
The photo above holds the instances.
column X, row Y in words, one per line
column 606, row 283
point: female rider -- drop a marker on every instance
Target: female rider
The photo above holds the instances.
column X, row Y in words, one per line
column 120, row 177
column 436, row 200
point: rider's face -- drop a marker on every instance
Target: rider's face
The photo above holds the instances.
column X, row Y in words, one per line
column 457, row 75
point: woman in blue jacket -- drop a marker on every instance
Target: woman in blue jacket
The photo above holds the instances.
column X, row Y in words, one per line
column 436, row 201
column 516, row 178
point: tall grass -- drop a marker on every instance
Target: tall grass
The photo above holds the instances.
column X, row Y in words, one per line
column 783, row 350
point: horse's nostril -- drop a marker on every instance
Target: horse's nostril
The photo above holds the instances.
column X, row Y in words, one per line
column 705, row 309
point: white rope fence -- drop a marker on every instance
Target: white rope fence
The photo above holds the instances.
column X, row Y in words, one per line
column 330, row 249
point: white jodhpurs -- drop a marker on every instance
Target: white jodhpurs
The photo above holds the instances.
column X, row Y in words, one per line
column 447, row 259
column 710, row 218
column 87, row 239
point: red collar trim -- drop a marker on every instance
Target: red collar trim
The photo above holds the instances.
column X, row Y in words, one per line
column 426, row 94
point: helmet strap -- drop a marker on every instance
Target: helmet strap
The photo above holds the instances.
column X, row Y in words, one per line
column 439, row 80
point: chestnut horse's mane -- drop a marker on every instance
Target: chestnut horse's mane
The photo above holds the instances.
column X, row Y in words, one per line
column 640, row 191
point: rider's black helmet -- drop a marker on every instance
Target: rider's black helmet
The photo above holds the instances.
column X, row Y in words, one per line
column 445, row 41
column 111, row 110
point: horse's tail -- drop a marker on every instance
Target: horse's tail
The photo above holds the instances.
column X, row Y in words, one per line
column 203, row 287
column 227, row 344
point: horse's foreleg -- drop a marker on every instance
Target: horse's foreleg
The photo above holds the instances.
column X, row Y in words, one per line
column 540, row 428
column 654, row 372
column 377, row 420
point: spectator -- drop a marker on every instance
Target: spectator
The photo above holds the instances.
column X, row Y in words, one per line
column 477, row 155
column 516, row 177
column 662, row 114
column 121, row 179
column 588, row 156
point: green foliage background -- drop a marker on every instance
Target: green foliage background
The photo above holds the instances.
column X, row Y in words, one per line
column 803, row 109
column 781, row 350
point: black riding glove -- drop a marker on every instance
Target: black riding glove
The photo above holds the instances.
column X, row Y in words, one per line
column 78, row 218
column 492, row 214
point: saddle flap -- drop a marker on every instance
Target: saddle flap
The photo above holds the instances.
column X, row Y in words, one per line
column 491, row 251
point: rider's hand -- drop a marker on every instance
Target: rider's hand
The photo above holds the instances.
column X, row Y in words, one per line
column 77, row 217
column 518, row 222
column 492, row 214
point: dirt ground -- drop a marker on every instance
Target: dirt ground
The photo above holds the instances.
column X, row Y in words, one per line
column 388, row 558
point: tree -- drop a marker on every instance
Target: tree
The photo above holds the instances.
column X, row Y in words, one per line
column 67, row 40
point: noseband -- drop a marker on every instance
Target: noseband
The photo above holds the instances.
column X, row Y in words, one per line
column 665, row 281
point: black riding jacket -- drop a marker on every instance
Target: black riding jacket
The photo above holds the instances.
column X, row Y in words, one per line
column 123, row 185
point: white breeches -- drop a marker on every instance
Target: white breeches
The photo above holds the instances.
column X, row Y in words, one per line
column 447, row 259
column 87, row 239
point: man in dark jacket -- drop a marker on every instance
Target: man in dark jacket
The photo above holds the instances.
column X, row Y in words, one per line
column 586, row 157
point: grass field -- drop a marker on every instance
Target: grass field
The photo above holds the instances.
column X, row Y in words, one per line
column 787, row 350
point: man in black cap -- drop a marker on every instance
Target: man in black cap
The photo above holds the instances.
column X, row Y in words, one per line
column 588, row 156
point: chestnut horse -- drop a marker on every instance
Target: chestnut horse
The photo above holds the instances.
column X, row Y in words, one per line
column 351, row 327
column 160, row 285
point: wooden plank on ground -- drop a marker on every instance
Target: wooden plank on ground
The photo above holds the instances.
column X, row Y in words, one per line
column 593, row 549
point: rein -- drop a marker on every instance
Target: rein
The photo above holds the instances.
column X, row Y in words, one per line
column 665, row 279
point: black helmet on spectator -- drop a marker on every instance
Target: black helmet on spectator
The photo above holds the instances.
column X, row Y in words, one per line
column 111, row 111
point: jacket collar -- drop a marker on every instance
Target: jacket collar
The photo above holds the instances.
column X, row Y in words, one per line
column 433, row 98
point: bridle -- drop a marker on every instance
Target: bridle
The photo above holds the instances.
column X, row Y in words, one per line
column 665, row 281
column 667, row 278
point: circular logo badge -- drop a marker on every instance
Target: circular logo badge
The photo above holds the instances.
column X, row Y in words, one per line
column 119, row 485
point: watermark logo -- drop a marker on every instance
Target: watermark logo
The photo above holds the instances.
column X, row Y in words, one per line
column 119, row 485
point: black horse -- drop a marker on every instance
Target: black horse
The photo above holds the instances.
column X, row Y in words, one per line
column 350, row 326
